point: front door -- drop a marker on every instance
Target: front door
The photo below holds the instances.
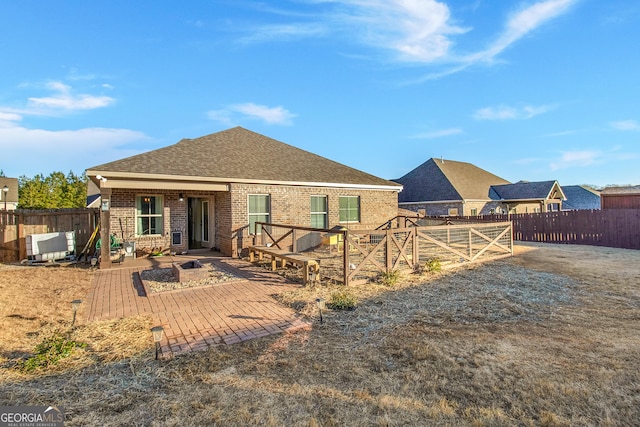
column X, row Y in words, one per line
column 200, row 235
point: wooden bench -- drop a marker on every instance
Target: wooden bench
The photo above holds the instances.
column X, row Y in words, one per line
column 310, row 266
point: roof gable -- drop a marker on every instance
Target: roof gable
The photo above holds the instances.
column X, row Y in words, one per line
column 439, row 179
column 240, row 154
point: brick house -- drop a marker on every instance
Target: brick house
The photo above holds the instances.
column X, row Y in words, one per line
column 446, row 187
column 210, row 191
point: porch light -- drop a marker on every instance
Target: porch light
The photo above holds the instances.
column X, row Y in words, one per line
column 320, row 303
column 181, row 197
column 75, row 305
column 158, row 332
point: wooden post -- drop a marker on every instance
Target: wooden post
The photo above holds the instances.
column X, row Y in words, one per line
column 388, row 254
column 416, row 252
column 105, row 228
column 22, row 239
column 294, row 244
column 345, row 251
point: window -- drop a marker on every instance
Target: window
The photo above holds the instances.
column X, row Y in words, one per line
column 319, row 211
column 452, row 212
column 474, row 212
column 349, row 208
column 148, row 215
column 259, row 211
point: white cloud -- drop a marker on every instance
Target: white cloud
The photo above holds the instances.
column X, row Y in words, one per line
column 438, row 133
column 504, row 112
column 35, row 151
column 571, row 159
column 65, row 100
column 287, row 31
column 625, row 125
column 270, row 115
column 417, row 30
column 522, row 23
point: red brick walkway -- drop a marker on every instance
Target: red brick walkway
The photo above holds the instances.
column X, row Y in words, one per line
column 196, row 318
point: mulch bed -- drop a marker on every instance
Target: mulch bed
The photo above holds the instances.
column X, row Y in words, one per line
column 162, row 279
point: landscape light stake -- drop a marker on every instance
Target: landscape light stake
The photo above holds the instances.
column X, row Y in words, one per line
column 321, row 305
column 75, row 305
column 157, row 332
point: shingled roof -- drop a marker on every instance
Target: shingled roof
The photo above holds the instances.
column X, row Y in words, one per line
column 579, row 197
column 239, row 155
column 439, row 179
column 525, row 190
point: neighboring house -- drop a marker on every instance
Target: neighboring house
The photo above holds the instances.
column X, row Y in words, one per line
column 620, row 197
column 580, row 197
column 446, row 187
column 8, row 193
column 209, row 192
column 93, row 194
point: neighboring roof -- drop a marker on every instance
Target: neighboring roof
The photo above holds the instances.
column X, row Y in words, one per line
column 629, row 190
column 525, row 190
column 580, row 198
column 439, row 179
column 93, row 201
column 12, row 185
column 238, row 155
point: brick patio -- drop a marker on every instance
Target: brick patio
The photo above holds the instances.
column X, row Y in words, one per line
column 196, row 318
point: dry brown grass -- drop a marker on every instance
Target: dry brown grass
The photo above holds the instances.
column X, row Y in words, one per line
column 546, row 338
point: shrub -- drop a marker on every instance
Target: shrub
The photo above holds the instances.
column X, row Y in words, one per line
column 342, row 300
column 432, row 265
column 49, row 352
column 389, row 278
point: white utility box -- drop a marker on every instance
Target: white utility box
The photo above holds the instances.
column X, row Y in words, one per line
column 51, row 246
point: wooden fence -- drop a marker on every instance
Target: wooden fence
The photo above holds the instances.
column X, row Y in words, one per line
column 16, row 225
column 616, row 228
column 350, row 256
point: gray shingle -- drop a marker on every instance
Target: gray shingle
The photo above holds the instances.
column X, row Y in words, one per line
column 238, row 153
column 438, row 179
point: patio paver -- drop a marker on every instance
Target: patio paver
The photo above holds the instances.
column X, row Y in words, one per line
column 197, row 318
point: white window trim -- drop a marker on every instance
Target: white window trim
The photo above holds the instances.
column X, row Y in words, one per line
column 160, row 215
column 249, row 214
column 326, row 208
column 359, row 210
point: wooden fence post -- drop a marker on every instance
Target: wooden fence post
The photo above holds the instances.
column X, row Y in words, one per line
column 388, row 255
column 22, row 239
column 416, row 252
column 345, row 251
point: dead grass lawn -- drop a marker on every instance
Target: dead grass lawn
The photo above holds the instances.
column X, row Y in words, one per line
column 549, row 337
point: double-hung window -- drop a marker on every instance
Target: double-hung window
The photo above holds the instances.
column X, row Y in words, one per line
column 319, row 211
column 349, row 208
column 259, row 211
column 148, row 215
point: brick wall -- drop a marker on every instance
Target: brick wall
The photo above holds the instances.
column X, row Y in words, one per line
column 289, row 205
column 292, row 206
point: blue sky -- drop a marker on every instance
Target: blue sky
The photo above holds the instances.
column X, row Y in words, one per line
column 528, row 90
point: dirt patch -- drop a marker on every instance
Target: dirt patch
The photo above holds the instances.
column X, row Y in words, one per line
column 549, row 337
